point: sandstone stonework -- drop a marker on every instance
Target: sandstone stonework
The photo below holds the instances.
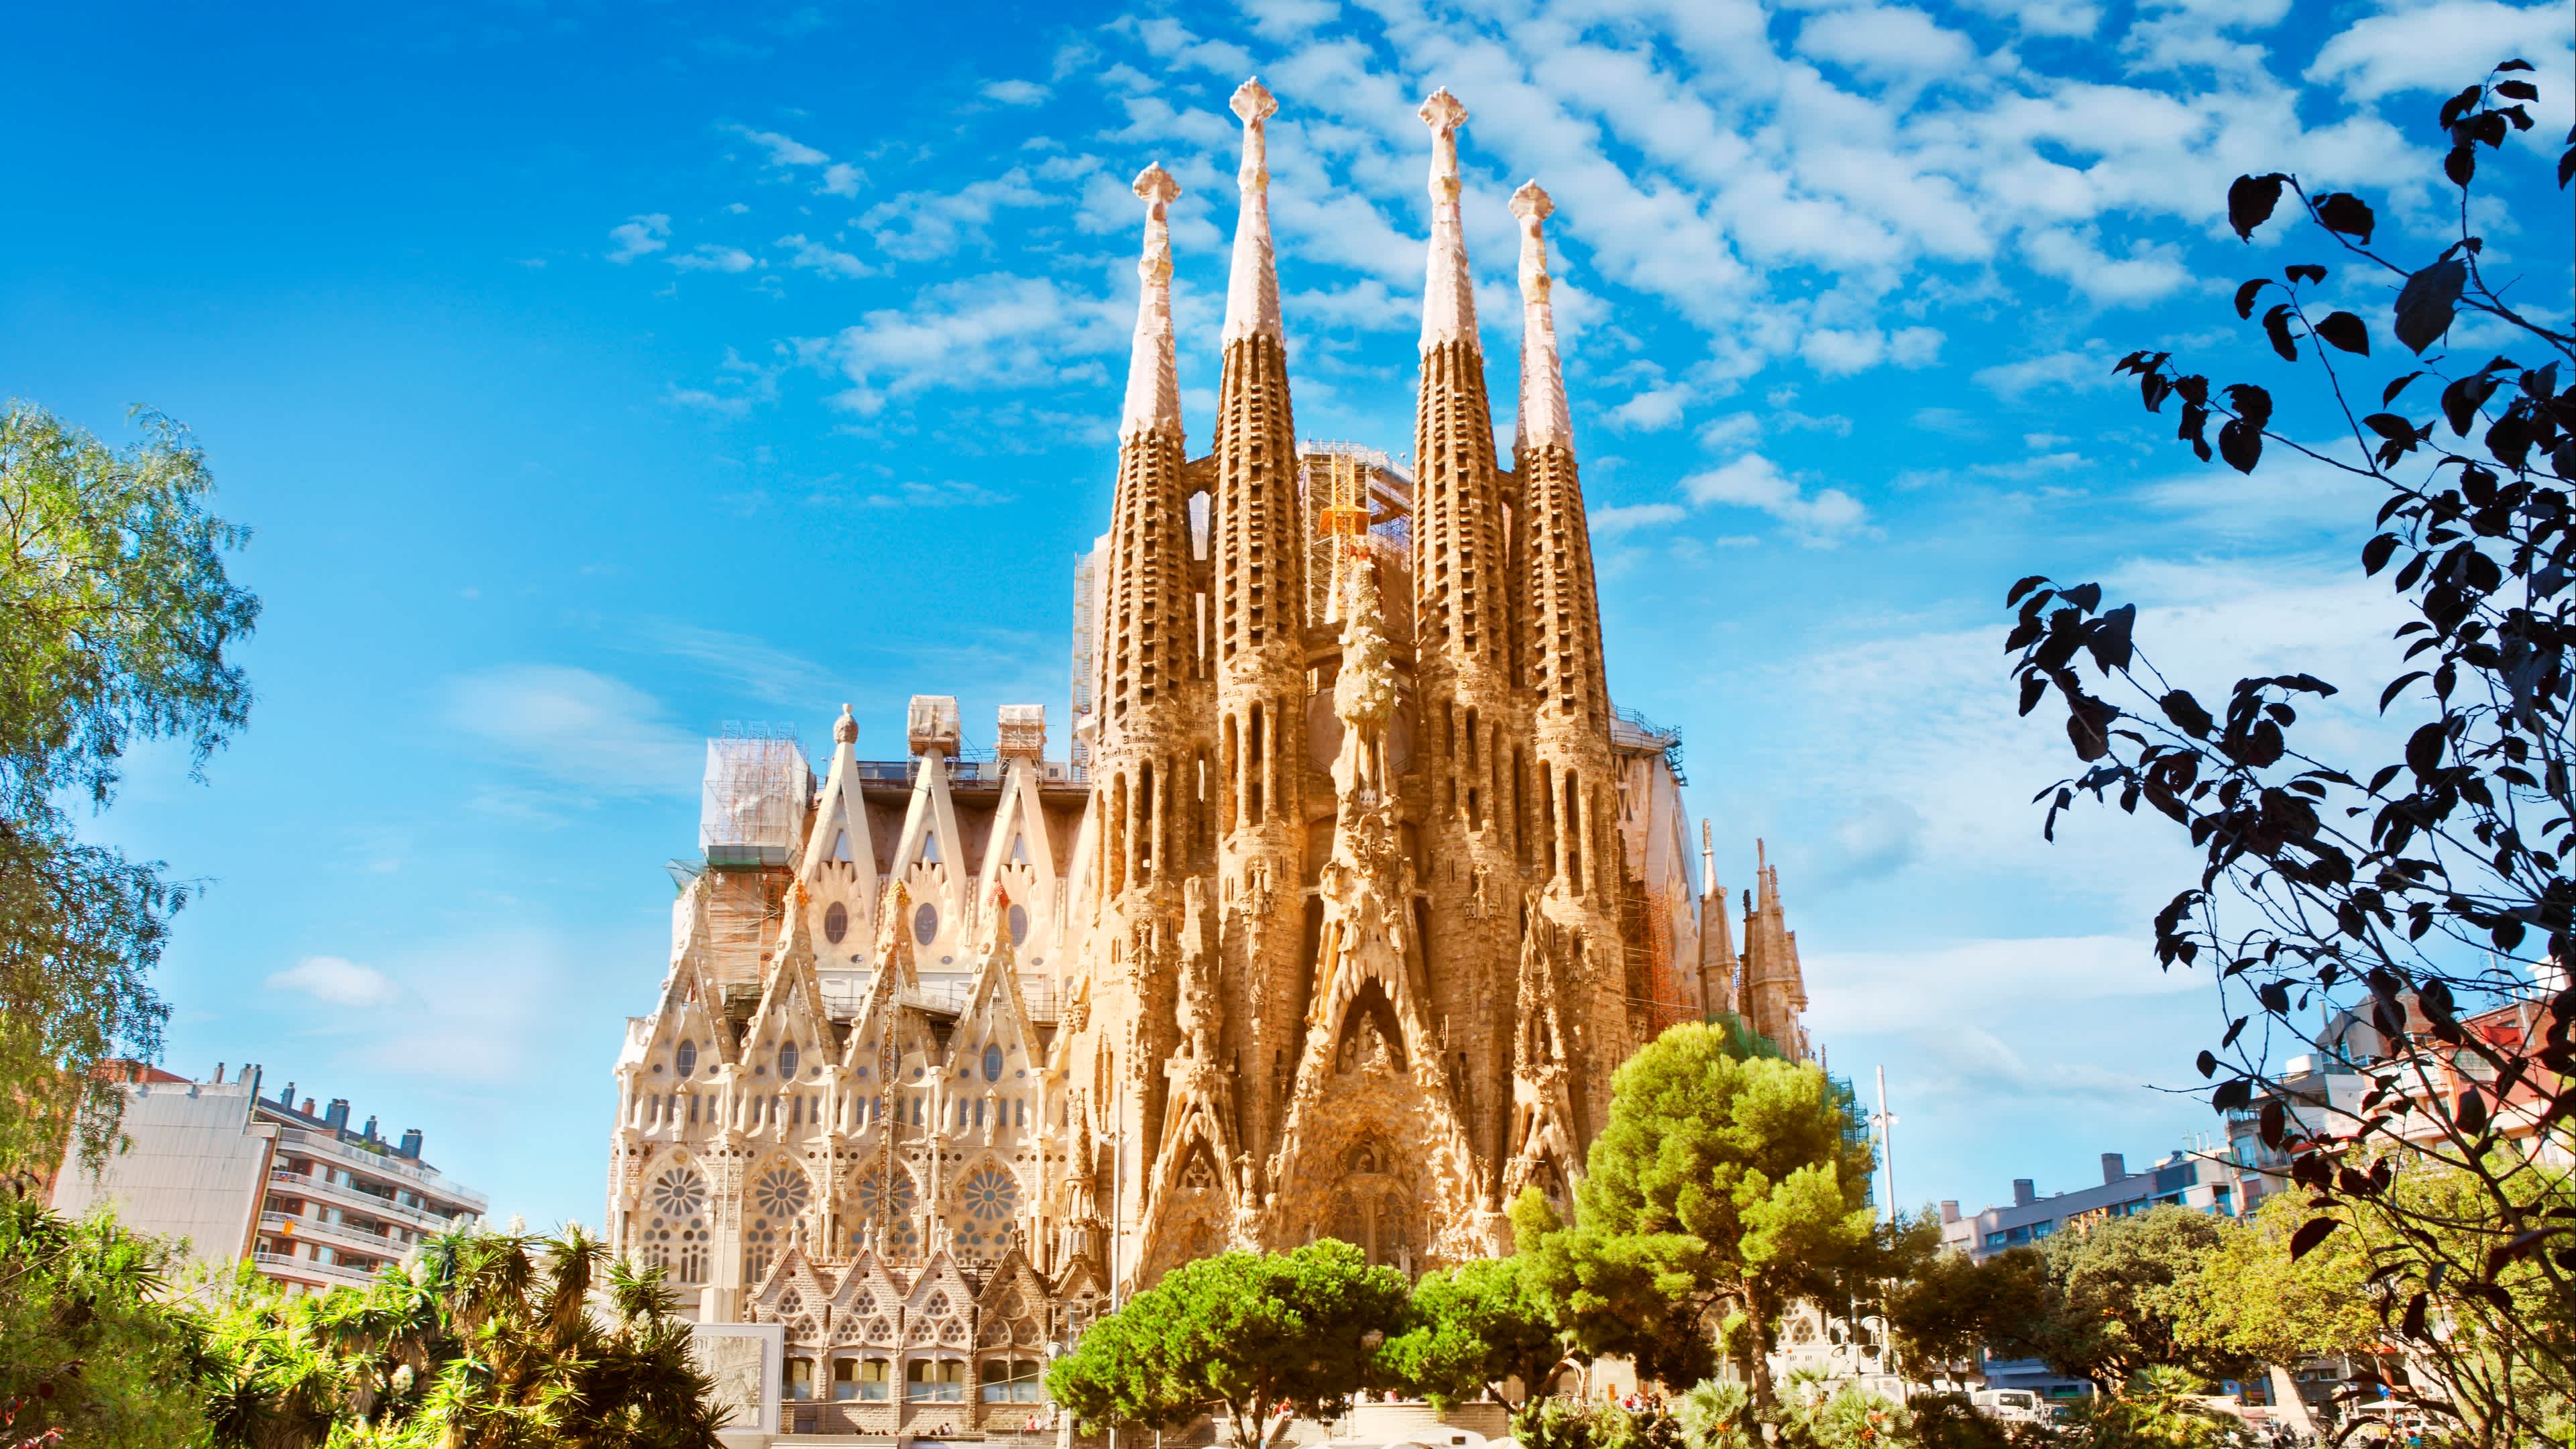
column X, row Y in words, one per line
column 1355, row 894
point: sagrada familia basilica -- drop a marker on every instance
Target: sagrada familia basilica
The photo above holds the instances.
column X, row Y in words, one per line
column 1353, row 894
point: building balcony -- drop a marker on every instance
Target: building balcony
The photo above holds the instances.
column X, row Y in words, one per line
column 341, row 1194
column 337, row 1235
column 428, row 1182
column 308, row 1271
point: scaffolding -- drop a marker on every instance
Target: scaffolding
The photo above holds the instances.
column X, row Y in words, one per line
column 753, row 802
column 1086, row 629
column 1356, row 500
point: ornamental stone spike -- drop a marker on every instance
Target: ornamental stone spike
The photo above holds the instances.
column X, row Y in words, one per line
column 1252, row 288
column 1153, row 375
column 1448, row 294
column 1544, row 419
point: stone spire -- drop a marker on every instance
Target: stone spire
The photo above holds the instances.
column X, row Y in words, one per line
column 1257, row 644
column 1147, row 611
column 1153, row 380
column 1717, row 964
column 1252, row 288
column 1543, row 417
column 1775, row 989
column 1448, row 293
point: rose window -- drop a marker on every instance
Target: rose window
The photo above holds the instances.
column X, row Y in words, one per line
column 679, row 1193
column 991, row 1195
column 781, row 1192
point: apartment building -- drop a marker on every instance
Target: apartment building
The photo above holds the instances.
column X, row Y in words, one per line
column 2183, row 1179
column 240, row 1173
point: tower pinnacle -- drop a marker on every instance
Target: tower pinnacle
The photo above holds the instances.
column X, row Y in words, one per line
column 1543, row 416
column 1153, row 378
column 1252, row 289
column 1448, row 294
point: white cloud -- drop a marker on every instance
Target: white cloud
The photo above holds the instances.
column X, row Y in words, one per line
column 639, row 236
column 1754, row 481
column 1729, row 431
column 1650, row 411
column 1015, row 92
column 983, row 332
column 919, row 226
column 709, row 257
column 2049, row 371
column 784, row 151
column 842, row 179
column 1612, row 522
column 2045, row 17
column 1963, row 980
column 1887, row 40
column 596, row 735
column 338, row 981
column 2444, row 46
column 814, row 256
column 1915, row 346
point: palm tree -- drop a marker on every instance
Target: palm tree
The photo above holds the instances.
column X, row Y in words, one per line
column 489, row 1341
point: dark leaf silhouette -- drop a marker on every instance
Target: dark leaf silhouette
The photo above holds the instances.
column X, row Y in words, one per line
column 2310, row 1233
column 2341, row 211
column 2346, row 331
column 2425, row 304
column 2250, row 202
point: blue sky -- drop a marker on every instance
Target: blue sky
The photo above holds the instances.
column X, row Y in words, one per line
column 596, row 375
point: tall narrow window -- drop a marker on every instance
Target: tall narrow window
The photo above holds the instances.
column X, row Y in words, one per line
column 686, row 1059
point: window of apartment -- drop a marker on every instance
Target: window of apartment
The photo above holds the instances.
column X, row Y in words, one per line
column 796, row 1381
column 2041, row 1230
column 1010, row 1381
column 864, row 1380
column 1994, row 1240
column 935, row 1381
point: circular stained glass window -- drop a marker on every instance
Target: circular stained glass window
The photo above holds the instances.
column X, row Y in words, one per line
column 925, row 924
column 781, row 1192
column 1019, row 918
column 836, row 922
column 991, row 1195
column 679, row 1193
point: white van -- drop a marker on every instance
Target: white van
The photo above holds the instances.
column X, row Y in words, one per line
column 2009, row 1406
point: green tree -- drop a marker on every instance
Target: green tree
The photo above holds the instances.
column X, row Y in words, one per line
column 1722, row 1188
column 1241, row 1332
column 1950, row 1306
column 2159, row 1407
column 2120, row 1294
column 1847, row 1417
column 2253, row 1298
column 1477, row 1328
column 490, row 1341
column 90, row 1346
column 116, row 625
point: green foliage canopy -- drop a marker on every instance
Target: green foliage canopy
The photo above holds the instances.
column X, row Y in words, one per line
column 1720, row 1183
column 1240, row 1332
column 1473, row 1329
column 88, row 1344
column 116, row 625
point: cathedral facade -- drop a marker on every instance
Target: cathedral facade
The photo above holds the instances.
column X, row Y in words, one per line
column 1352, row 895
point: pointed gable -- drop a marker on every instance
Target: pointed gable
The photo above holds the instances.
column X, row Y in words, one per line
column 929, row 860
column 1019, row 860
column 839, row 868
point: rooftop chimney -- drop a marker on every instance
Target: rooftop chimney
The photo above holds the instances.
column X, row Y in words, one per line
column 1949, row 1209
column 2025, row 1192
column 2114, row 1167
column 337, row 1118
column 286, row 1096
column 219, row 1074
column 370, row 1133
column 410, row 1144
column 306, row 1109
